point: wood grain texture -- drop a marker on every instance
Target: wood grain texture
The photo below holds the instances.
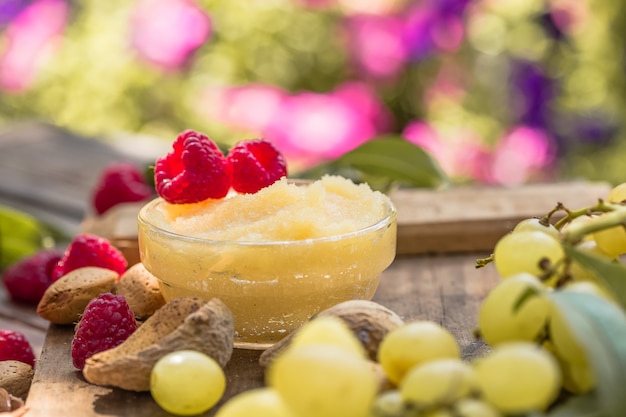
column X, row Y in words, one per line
column 446, row 289
column 462, row 219
column 49, row 173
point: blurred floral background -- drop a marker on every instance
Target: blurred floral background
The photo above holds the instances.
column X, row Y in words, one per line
column 497, row 91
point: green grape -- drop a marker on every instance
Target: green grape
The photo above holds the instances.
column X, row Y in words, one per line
column 471, row 407
column 501, row 319
column 617, row 193
column 438, row 412
column 519, row 377
column 577, row 379
column 324, row 380
column 438, row 382
column 331, row 330
column 412, row 344
column 611, row 241
column 580, row 273
column 578, row 221
column 534, row 225
column 187, row 382
column 259, row 402
column 390, row 404
column 518, row 252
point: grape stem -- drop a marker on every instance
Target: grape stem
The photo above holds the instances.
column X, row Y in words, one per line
column 484, row 261
column 600, row 207
column 615, row 216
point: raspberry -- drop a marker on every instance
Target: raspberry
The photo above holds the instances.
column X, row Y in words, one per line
column 106, row 322
column 255, row 164
column 120, row 182
column 14, row 346
column 90, row 250
column 28, row 279
column 195, row 170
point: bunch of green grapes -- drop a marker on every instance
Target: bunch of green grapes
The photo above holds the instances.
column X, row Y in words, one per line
column 535, row 245
column 430, row 379
column 518, row 311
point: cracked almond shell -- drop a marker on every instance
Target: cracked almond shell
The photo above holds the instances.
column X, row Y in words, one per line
column 182, row 323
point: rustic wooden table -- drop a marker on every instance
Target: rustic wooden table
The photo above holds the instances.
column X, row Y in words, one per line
column 49, row 173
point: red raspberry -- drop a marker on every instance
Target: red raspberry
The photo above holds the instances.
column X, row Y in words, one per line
column 120, row 182
column 195, row 170
column 14, row 346
column 28, row 279
column 106, row 322
column 255, row 164
column 90, row 250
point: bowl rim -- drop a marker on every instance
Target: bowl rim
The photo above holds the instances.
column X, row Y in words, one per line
column 389, row 219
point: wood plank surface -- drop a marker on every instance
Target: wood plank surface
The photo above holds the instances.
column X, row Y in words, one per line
column 446, row 289
column 461, row 219
column 49, row 173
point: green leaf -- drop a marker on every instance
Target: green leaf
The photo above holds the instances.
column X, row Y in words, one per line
column 611, row 274
column 600, row 328
column 389, row 159
column 585, row 405
column 22, row 235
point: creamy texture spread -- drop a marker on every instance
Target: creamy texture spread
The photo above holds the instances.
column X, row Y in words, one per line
column 330, row 206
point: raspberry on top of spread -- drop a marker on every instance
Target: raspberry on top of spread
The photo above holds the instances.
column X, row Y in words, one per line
column 196, row 169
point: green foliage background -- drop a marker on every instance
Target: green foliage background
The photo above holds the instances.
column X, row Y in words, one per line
column 96, row 85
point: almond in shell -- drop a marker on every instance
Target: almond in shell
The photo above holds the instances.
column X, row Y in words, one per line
column 141, row 290
column 16, row 377
column 65, row 300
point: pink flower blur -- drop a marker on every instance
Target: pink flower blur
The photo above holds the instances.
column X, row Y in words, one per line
column 376, row 44
column 313, row 126
column 249, row 107
column 29, row 39
column 460, row 154
column 521, row 153
column 167, row 32
column 570, row 16
column 317, row 4
column 364, row 100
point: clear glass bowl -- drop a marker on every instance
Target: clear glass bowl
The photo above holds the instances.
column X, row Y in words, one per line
column 271, row 287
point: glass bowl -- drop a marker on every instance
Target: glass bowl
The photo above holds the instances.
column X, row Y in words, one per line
column 271, row 287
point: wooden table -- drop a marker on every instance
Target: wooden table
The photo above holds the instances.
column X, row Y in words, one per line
column 49, row 173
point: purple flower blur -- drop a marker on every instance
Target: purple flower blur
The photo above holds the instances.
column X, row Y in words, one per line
column 30, row 37
column 9, row 9
column 434, row 25
column 532, row 94
column 167, row 32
